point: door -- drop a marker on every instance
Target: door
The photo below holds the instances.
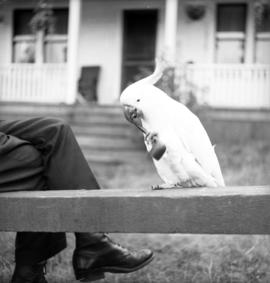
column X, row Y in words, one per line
column 139, row 44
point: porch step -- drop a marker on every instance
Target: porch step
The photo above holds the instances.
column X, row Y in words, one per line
column 104, row 130
column 53, row 108
column 114, row 157
column 98, row 119
column 28, row 110
column 77, row 116
column 106, row 143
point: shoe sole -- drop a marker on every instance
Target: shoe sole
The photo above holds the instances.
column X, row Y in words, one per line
column 116, row 269
column 91, row 276
column 98, row 274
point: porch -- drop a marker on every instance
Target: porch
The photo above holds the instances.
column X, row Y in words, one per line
column 216, row 85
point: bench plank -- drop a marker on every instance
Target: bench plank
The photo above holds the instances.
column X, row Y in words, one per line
column 230, row 210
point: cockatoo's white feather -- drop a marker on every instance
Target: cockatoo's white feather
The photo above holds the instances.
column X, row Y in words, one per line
column 190, row 159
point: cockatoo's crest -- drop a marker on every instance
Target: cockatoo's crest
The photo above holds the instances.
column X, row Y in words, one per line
column 155, row 76
column 143, row 93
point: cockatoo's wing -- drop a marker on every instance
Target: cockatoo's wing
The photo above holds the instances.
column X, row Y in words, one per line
column 188, row 127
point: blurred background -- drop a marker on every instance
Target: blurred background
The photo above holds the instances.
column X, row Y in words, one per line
column 72, row 58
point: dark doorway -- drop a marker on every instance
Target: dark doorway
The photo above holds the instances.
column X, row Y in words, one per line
column 139, row 44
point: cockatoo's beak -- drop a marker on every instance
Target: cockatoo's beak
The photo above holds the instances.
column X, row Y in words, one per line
column 133, row 115
column 130, row 112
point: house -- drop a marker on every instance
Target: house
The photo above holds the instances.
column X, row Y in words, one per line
column 222, row 46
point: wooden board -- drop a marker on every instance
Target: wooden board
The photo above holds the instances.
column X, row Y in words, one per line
column 231, row 210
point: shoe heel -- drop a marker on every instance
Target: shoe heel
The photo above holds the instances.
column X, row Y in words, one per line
column 89, row 276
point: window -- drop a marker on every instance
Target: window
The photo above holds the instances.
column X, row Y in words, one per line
column 262, row 46
column 23, row 39
column 230, row 33
column 54, row 43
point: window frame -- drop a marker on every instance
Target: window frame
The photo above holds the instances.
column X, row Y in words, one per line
column 230, row 35
column 63, row 38
column 251, row 35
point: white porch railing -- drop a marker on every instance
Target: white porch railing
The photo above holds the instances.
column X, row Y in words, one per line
column 33, row 83
column 230, row 86
column 221, row 86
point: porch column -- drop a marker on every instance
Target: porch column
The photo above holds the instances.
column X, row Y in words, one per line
column 72, row 54
column 170, row 29
column 39, row 47
column 250, row 34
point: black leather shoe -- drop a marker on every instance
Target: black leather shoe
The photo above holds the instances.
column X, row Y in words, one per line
column 29, row 273
column 91, row 262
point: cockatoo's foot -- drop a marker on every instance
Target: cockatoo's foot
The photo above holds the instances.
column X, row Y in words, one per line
column 151, row 138
column 186, row 184
column 190, row 183
column 157, row 147
column 165, row 186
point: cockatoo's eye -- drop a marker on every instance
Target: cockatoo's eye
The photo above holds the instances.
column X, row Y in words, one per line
column 138, row 100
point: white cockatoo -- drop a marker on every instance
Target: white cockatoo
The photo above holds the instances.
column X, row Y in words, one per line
column 181, row 149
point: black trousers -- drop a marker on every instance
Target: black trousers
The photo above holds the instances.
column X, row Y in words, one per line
column 41, row 154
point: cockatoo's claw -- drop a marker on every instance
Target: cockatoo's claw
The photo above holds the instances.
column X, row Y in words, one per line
column 151, row 137
column 177, row 185
column 189, row 183
column 164, row 186
column 156, row 187
column 185, row 184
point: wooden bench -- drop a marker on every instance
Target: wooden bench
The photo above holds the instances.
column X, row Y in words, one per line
column 230, row 210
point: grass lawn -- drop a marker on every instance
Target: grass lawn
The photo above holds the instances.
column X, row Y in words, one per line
column 179, row 258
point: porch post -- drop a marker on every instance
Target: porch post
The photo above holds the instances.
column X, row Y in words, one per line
column 72, row 54
column 39, row 47
column 250, row 35
column 170, row 29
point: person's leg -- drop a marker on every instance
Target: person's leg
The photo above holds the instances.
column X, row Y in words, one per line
column 32, row 249
column 21, row 169
column 66, row 168
column 64, row 165
column 21, row 165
